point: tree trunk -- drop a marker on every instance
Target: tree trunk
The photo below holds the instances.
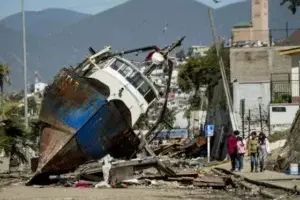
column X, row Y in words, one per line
column 1, row 102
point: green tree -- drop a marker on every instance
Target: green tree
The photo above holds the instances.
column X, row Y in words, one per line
column 14, row 140
column 200, row 71
column 4, row 78
column 292, row 4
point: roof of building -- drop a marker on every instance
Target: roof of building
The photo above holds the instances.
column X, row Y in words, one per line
column 290, row 51
column 292, row 40
column 243, row 25
column 199, row 46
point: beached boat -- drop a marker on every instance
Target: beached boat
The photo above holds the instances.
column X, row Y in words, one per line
column 88, row 112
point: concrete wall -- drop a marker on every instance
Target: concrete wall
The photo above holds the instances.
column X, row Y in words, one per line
column 258, row 63
column 285, row 117
column 251, row 91
column 242, row 34
column 295, row 84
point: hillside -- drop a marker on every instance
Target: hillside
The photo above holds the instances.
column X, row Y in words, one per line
column 135, row 23
column 44, row 23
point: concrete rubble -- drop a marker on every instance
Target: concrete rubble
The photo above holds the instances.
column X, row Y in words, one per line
column 163, row 171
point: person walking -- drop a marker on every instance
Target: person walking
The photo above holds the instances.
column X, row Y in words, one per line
column 241, row 150
column 232, row 149
column 253, row 151
column 263, row 150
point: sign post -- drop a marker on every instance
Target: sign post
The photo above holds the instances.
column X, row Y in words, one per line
column 209, row 132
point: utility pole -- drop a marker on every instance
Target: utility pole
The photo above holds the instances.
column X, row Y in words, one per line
column 260, row 115
column 243, row 117
column 249, row 122
column 222, row 69
column 299, row 84
column 25, row 67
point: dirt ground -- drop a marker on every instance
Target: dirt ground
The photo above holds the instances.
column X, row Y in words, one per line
column 31, row 193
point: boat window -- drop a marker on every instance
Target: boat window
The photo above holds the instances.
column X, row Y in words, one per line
column 117, row 65
column 102, row 64
column 135, row 79
column 150, row 96
column 144, row 88
column 122, row 68
column 126, row 70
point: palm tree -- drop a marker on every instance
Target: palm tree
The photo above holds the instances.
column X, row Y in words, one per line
column 4, row 78
column 14, row 140
column 293, row 4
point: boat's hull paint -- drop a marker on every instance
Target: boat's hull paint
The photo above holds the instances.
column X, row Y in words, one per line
column 78, row 129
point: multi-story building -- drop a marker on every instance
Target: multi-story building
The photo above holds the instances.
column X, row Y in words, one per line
column 258, row 29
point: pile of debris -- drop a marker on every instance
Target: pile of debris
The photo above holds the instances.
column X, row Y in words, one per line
column 290, row 153
column 178, row 148
column 140, row 172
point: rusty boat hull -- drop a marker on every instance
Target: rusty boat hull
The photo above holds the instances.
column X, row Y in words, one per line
column 80, row 124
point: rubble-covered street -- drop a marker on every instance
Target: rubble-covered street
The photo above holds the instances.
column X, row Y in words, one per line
column 49, row 193
column 134, row 179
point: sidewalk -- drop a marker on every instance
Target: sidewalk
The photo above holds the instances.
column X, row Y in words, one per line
column 271, row 178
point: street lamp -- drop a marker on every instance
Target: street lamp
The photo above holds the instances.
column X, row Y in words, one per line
column 260, row 117
column 25, row 68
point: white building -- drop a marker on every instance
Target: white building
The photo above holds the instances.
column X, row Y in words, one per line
column 39, row 87
column 198, row 50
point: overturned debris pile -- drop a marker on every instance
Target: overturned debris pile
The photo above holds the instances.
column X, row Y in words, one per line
column 142, row 172
column 290, row 153
column 190, row 149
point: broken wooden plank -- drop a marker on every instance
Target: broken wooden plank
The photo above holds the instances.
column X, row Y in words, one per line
column 210, row 179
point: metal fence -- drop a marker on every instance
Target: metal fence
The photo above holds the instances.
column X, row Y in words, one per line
column 284, row 88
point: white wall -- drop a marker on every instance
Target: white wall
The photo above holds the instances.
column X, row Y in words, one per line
column 283, row 118
column 295, row 81
column 180, row 120
column 251, row 91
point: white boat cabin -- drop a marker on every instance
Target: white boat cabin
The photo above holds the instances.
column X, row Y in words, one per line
column 125, row 82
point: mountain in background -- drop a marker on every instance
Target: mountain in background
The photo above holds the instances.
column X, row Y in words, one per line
column 130, row 25
column 43, row 23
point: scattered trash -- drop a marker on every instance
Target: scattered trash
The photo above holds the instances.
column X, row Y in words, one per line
column 81, row 185
column 102, row 184
column 131, row 182
column 120, row 185
column 38, row 186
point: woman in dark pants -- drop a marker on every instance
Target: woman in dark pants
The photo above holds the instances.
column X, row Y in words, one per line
column 232, row 149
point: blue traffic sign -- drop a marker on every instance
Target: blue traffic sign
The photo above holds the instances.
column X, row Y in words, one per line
column 209, row 130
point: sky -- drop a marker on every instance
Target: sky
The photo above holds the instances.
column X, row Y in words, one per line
column 9, row 7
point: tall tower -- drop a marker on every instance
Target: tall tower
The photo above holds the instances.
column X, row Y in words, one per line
column 260, row 20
